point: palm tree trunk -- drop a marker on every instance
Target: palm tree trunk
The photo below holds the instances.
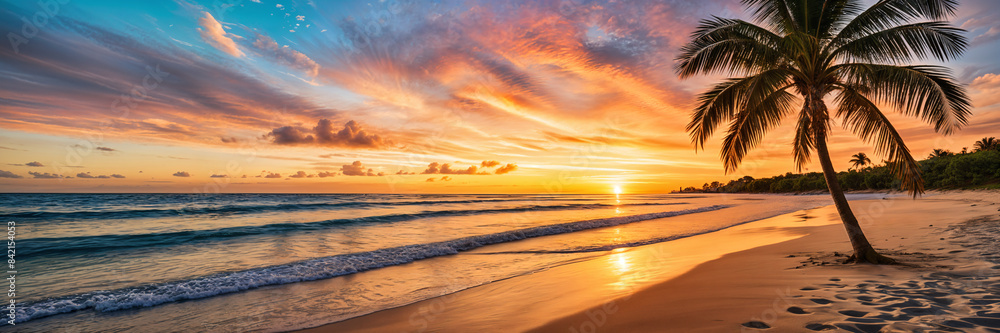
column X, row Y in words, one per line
column 863, row 251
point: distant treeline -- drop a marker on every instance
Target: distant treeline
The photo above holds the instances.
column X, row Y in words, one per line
column 941, row 170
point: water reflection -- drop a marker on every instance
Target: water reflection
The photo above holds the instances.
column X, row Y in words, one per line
column 622, row 263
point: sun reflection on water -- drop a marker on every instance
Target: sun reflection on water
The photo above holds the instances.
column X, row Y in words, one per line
column 622, row 263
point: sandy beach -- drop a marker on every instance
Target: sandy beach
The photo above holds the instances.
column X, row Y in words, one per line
column 780, row 274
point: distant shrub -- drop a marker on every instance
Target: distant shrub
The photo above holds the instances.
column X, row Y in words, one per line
column 978, row 170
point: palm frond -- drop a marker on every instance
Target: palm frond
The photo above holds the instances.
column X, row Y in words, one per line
column 885, row 14
column 767, row 101
column 733, row 47
column 905, row 43
column 826, row 20
column 862, row 116
column 803, row 144
column 928, row 92
column 775, row 13
column 721, row 102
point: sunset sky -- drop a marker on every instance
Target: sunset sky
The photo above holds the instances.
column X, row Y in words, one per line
column 480, row 96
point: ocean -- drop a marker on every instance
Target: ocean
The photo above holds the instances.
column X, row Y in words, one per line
column 277, row 262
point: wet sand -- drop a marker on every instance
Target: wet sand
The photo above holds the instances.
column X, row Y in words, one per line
column 780, row 274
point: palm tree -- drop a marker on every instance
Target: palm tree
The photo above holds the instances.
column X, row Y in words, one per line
column 989, row 143
column 860, row 160
column 799, row 53
column 940, row 153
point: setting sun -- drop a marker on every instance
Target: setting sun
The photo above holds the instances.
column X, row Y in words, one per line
column 618, row 189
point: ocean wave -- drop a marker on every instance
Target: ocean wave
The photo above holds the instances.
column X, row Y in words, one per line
column 232, row 209
column 39, row 246
column 308, row 270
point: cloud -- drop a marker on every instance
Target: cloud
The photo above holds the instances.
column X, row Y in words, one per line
column 985, row 90
column 183, row 95
column 88, row 175
column 34, row 164
column 218, row 176
column 446, row 179
column 300, row 174
column 106, row 149
column 990, row 35
column 268, row 48
column 405, row 173
column 352, row 135
column 446, row 169
column 45, row 175
column 430, row 180
column 115, row 175
column 182, row 174
column 324, row 174
column 213, row 33
column 437, row 168
column 272, row 175
column 8, row 174
column 358, row 169
column 506, row 169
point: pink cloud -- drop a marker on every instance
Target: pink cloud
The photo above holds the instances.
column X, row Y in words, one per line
column 213, row 33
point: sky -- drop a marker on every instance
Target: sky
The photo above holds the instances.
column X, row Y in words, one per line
column 396, row 96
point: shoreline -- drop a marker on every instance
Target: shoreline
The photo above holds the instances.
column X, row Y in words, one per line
column 679, row 277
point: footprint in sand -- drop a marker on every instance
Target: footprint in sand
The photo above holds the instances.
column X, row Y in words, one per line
column 797, row 310
column 957, row 324
column 820, row 327
column 853, row 313
column 890, row 317
column 866, row 320
column 922, row 311
column 756, row 324
column 988, row 314
column 986, row 322
column 860, row 328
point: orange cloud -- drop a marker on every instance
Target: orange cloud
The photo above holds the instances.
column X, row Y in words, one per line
column 446, row 169
column 213, row 33
column 351, row 135
column 506, row 169
column 358, row 169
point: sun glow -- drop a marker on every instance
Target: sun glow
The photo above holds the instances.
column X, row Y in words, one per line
column 618, row 190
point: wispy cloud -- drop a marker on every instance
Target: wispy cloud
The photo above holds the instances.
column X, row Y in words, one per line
column 213, row 33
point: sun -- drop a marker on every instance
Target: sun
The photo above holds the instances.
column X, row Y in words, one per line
column 618, row 189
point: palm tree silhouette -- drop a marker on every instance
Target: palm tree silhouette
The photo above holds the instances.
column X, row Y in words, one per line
column 805, row 51
column 940, row 153
column 860, row 160
column 989, row 143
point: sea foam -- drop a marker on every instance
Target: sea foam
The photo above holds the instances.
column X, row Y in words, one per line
column 313, row 269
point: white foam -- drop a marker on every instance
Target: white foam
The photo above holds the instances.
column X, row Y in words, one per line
column 313, row 269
